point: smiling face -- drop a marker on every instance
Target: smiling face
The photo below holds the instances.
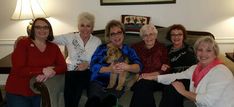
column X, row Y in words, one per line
column 149, row 38
column 149, row 35
column 177, row 38
column 205, row 53
column 116, row 36
column 85, row 28
column 41, row 30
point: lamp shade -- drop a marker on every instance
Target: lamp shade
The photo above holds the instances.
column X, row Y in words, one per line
column 28, row 9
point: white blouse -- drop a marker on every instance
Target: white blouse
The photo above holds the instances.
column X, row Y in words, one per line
column 77, row 51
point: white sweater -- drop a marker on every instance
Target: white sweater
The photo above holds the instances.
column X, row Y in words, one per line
column 216, row 89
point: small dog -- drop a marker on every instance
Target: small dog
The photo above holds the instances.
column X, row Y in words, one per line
column 114, row 55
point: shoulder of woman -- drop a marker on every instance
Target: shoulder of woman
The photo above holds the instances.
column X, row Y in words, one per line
column 95, row 38
column 127, row 47
column 67, row 34
column 188, row 47
column 221, row 68
column 25, row 41
column 101, row 47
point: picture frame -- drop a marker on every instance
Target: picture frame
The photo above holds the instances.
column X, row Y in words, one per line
column 133, row 23
column 135, row 2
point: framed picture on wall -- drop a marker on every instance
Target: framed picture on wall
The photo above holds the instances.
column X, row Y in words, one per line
column 135, row 2
column 133, row 23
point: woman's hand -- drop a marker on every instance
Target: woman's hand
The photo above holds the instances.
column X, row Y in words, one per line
column 165, row 67
column 49, row 71
column 117, row 68
column 179, row 86
column 41, row 78
column 120, row 67
column 82, row 66
column 149, row 76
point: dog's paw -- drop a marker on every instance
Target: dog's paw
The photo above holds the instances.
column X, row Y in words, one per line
column 119, row 88
column 110, row 86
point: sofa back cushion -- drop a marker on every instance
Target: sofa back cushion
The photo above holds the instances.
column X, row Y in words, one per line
column 131, row 38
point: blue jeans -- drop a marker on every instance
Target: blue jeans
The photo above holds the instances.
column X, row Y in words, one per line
column 22, row 101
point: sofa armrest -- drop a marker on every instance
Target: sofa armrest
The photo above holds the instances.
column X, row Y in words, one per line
column 40, row 88
column 50, row 90
column 227, row 62
column 2, row 101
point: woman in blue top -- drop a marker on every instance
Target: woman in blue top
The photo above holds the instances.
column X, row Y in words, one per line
column 98, row 96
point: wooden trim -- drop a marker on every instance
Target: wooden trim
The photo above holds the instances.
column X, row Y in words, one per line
column 98, row 32
column 224, row 40
column 198, row 33
column 5, row 64
column 6, row 41
column 41, row 87
column 1, row 97
column 130, row 2
column 230, row 56
column 2, row 101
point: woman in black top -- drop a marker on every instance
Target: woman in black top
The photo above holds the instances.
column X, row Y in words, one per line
column 181, row 57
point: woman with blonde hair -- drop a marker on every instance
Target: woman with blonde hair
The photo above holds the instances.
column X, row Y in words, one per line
column 211, row 82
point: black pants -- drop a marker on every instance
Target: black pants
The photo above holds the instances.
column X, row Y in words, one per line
column 98, row 96
column 171, row 98
column 75, row 83
column 143, row 93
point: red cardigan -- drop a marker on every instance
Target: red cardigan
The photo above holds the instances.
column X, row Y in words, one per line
column 28, row 61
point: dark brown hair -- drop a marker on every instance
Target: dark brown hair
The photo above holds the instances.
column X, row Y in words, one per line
column 50, row 36
column 178, row 27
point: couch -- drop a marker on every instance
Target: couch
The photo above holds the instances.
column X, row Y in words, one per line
column 52, row 89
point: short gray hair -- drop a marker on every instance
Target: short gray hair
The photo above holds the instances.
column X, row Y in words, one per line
column 86, row 16
column 146, row 27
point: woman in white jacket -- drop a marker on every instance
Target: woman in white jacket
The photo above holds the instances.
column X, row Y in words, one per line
column 211, row 82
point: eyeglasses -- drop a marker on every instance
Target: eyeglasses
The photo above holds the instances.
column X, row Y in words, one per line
column 42, row 27
column 113, row 34
column 177, row 35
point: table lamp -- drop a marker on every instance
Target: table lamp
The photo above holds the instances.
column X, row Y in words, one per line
column 28, row 9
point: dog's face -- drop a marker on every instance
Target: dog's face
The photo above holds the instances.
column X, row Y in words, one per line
column 113, row 54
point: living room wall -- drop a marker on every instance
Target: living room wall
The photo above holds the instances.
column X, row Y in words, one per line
column 215, row 16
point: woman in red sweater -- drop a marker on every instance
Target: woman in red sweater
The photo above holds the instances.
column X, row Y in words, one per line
column 34, row 56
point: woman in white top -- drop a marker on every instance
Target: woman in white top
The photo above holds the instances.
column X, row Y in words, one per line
column 80, row 47
column 211, row 82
